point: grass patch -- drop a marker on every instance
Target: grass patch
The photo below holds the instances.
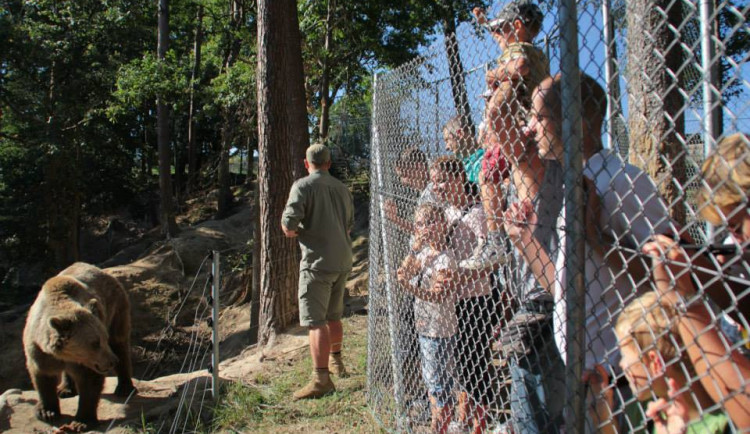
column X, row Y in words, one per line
column 266, row 405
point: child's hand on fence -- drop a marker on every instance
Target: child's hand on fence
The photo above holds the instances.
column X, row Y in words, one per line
column 669, row 416
column 520, row 220
column 408, row 269
column 442, row 284
column 480, row 15
column 391, row 210
column 601, row 398
column 671, row 273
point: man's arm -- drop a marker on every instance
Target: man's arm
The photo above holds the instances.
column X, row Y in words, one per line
column 293, row 213
column 520, row 221
column 723, row 371
column 287, row 232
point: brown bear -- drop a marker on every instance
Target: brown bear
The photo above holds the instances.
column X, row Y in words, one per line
column 77, row 330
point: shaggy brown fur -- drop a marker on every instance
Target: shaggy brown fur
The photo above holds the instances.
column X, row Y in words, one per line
column 77, row 330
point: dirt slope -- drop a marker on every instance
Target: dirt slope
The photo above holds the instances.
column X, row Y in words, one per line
column 167, row 275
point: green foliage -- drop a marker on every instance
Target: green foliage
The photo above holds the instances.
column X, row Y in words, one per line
column 144, row 80
column 59, row 154
column 79, row 82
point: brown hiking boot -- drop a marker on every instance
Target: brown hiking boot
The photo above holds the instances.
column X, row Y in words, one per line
column 336, row 366
column 320, row 385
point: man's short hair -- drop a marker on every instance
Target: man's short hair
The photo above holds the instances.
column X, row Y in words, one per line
column 318, row 154
column 726, row 173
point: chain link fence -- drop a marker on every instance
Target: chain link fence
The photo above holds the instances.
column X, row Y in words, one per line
column 559, row 223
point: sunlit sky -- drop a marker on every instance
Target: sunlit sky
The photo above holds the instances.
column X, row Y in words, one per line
column 427, row 109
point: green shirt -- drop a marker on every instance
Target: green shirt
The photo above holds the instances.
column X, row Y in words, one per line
column 710, row 423
column 320, row 208
column 473, row 165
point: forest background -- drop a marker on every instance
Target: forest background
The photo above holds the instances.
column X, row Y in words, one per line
column 98, row 98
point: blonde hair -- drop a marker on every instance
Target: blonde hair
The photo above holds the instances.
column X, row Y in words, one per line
column 433, row 212
column 726, row 173
column 649, row 322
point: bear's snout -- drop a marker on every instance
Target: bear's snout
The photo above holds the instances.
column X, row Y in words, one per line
column 106, row 363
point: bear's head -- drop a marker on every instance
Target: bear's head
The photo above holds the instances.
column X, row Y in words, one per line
column 80, row 337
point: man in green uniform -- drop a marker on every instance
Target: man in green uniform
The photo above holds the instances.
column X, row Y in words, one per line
column 320, row 213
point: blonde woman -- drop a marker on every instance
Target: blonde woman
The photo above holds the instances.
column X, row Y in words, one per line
column 723, row 371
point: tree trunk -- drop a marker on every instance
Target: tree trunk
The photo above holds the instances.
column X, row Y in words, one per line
column 255, row 289
column 283, row 136
column 167, row 216
column 655, row 104
column 325, row 96
column 192, row 151
column 179, row 170
column 225, row 199
column 456, row 70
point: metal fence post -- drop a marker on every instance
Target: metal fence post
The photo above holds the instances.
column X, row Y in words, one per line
column 574, row 247
column 711, row 107
column 612, row 77
column 215, row 325
column 391, row 299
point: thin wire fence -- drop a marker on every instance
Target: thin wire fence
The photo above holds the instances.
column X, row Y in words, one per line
column 564, row 253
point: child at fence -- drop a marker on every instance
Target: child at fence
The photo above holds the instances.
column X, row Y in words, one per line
column 459, row 140
column 657, row 367
column 414, row 189
column 422, row 275
column 723, row 370
column 623, row 210
column 480, row 302
column 520, row 68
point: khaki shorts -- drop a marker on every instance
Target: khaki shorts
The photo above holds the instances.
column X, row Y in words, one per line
column 321, row 297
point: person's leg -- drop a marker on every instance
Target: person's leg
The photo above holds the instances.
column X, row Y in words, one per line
column 491, row 202
column 320, row 346
column 479, row 415
column 531, row 390
column 336, row 335
column 488, row 252
column 335, row 327
column 314, row 294
column 438, row 377
column 335, row 311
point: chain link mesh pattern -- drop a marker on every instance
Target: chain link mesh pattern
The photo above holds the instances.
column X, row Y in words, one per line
column 567, row 252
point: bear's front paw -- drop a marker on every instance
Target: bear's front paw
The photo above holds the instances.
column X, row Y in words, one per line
column 124, row 389
column 74, row 426
column 45, row 415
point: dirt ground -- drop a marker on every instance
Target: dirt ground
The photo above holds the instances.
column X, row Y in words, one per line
column 159, row 279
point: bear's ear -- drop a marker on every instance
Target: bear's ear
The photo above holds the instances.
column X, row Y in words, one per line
column 62, row 325
column 63, row 328
column 93, row 307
